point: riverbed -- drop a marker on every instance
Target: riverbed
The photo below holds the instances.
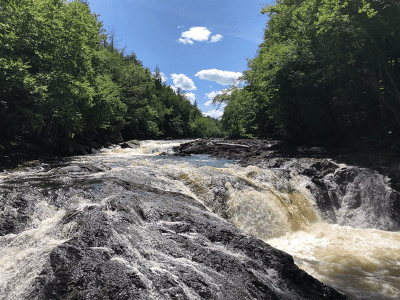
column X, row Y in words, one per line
column 275, row 205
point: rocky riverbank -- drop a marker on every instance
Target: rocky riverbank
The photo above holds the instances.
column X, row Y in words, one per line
column 273, row 153
column 27, row 153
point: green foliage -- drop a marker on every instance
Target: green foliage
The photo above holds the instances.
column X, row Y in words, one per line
column 47, row 69
column 329, row 70
column 206, row 127
column 61, row 75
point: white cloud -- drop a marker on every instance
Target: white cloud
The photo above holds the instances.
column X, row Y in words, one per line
column 209, row 102
column 198, row 34
column 181, row 26
column 191, row 97
column 164, row 78
column 183, row 82
column 213, row 94
column 219, row 76
column 185, row 41
column 214, row 113
column 216, row 38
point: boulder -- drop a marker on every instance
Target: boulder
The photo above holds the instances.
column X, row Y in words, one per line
column 133, row 144
column 69, row 147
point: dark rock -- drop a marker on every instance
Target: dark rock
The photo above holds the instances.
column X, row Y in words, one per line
column 350, row 196
column 115, row 137
column 133, row 144
column 320, row 168
column 14, row 214
column 69, row 147
column 133, row 241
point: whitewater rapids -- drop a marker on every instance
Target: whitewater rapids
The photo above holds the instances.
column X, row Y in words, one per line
column 274, row 205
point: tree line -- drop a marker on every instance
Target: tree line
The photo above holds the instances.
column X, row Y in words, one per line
column 62, row 77
column 327, row 71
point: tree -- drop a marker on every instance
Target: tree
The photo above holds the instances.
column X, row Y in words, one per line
column 47, row 69
column 326, row 67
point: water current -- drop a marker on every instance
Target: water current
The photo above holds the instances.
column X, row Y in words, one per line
column 272, row 204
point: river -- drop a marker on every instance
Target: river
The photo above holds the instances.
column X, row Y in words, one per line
column 272, row 204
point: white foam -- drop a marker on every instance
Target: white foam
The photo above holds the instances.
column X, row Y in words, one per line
column 22, row 256
column 363, row 263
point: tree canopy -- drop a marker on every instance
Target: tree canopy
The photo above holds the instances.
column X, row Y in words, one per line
column 328, row 71
column 62, row 76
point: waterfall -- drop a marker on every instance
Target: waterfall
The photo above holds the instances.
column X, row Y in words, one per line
column 351, row 242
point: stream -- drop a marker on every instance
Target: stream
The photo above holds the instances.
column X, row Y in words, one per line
column 358, row 254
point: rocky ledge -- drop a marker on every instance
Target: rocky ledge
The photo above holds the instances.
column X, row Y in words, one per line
column 115, row 239
column 364, row 193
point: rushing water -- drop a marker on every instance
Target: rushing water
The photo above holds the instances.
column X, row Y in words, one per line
column 274, row 205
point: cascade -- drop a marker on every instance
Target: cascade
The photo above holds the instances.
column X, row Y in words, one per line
column 351, row 243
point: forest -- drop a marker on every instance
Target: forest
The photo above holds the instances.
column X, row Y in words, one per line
column 61, row 77
column 327, row 72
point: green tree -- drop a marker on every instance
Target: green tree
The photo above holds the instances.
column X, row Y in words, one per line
column 328, row 70
column 47, row 66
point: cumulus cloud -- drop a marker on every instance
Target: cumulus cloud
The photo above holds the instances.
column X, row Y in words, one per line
column 183, row 82
column 209, row 102
column 191, row 97
column 213, row 94
column 164, row 78
column 219, row 76
column 213, row 113
column 198, row 34
column 216, row 38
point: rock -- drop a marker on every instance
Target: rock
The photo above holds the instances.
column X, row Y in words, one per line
column 116, row 137
column 317, row 150
column 132, row 241
column 108, row 145
column 133, row 144
column 69, row 147
column 232, row 145
column 346, row 195
column 319, row 168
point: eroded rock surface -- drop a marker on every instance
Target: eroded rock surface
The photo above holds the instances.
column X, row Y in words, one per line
column 350, row 195
column 78, row 232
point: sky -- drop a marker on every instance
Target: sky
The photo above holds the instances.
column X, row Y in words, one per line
column 201, row 46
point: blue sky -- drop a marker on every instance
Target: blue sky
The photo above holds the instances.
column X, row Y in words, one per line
column 199, row 45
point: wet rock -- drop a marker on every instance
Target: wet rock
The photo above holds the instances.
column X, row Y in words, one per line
column 115, row 137
column 347, row 195
column 14, row 213
column 319, row 168
column 108, row 145
column 133, row 241
column 70, row 147
column 133, row 144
